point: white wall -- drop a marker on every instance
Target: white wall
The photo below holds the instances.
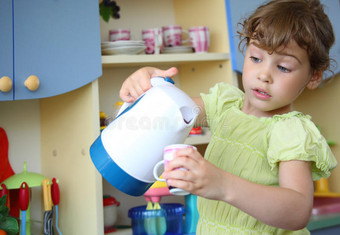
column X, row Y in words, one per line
column 161, row 10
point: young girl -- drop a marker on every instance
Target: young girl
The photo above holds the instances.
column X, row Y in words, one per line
column 257, row 173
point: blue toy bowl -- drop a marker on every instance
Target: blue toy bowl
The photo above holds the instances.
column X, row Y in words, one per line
column 168, row 220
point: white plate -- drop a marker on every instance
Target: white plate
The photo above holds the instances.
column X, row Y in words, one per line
column 131, row 50
column 105, row 45
column 178, row 49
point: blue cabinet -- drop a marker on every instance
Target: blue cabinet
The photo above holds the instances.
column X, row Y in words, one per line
column 58, row 41
column 6, row 45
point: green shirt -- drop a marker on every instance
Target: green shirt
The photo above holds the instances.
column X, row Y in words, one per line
column 252, row 147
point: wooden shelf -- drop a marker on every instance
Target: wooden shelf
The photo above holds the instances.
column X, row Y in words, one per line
column 204, row 138
column 143, row 59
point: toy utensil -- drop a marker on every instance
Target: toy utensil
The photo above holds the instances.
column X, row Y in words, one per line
column 322, row 189
column 160, row 220
column 48, row 214
column 23, row 204
column 56, row 199
column 191, row 214
column 4, row 191
column 150, row 222
column 155, row 223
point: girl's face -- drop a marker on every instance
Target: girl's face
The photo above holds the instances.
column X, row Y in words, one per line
column 273, row 81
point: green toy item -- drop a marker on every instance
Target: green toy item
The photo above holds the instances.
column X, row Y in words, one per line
column 32, row 180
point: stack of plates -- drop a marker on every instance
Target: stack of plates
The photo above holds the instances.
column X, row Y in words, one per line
column 122, row 47
column 177, row 49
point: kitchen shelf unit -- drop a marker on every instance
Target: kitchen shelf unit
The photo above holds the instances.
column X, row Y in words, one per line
column 203, row 138
column 140, row 60
column 197, row 71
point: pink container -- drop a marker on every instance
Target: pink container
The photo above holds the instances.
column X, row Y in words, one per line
column 153, row 40
column 326, row 205
column 199, row 38
column 172, row 35
column 119, row 34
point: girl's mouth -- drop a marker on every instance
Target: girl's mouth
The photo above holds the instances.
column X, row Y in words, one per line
column 261, row 94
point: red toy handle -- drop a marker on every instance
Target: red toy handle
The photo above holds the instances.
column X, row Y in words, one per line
column 24, row 196
column 4, row 192
column 55, row 192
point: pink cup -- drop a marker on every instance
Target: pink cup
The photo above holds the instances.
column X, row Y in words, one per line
column 172, row 36
column 119, row 34
column 153, row 40
column 199, row 38
column 168, row 155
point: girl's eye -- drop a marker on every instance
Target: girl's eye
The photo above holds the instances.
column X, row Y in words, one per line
column 255, row 59
column 283, row 69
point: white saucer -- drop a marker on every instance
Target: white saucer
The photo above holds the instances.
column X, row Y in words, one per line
column 122, row 43
column 128, row 50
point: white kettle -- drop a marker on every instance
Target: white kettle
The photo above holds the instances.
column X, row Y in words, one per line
column 130, row 146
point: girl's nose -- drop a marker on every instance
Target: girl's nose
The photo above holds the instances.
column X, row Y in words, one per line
column 265, row 76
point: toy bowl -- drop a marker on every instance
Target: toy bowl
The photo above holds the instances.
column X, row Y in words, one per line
column 169, row 219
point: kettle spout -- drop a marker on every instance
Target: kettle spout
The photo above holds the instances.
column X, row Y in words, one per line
column 188, row 114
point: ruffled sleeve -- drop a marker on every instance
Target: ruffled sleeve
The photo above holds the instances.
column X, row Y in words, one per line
column 221, row 97
column 297, row 138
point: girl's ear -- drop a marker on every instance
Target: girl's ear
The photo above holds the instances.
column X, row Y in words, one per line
column 315, row 80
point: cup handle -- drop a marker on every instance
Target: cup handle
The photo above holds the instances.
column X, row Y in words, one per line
column 158, row 41
column 155, row 171
column 186, row 32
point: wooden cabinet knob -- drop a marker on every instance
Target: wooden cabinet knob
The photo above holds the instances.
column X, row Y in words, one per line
column 32, row 83
column 6, row 84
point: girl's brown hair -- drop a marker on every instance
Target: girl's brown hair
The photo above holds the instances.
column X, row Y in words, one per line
column 274, row 24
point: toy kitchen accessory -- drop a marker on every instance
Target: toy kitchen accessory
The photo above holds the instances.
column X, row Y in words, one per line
column 199, row 38
column 168, row 155
column 127, row 150
column 16, row 181
column 110, row 213
column 153, row 40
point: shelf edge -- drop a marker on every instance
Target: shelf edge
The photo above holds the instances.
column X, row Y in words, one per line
column 129, row 60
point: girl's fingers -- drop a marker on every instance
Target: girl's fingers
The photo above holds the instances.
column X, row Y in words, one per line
column 179, row 176
column 189, row 152
column 138, row 90
column 127, row 97
column 139, row 82
column 190, row 164
column 180, row 162
column 164, row 73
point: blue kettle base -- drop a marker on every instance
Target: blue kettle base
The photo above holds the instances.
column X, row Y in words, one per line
column 114, row 174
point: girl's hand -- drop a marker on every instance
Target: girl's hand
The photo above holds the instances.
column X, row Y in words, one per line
column 139, row 82
column 201, row 178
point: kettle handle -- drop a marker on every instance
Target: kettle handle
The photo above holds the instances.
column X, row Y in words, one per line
column 161, row 81
column 124, row 106
column 155, row 81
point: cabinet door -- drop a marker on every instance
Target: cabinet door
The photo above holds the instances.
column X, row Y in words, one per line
column 6, row 45
column 59, row 42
